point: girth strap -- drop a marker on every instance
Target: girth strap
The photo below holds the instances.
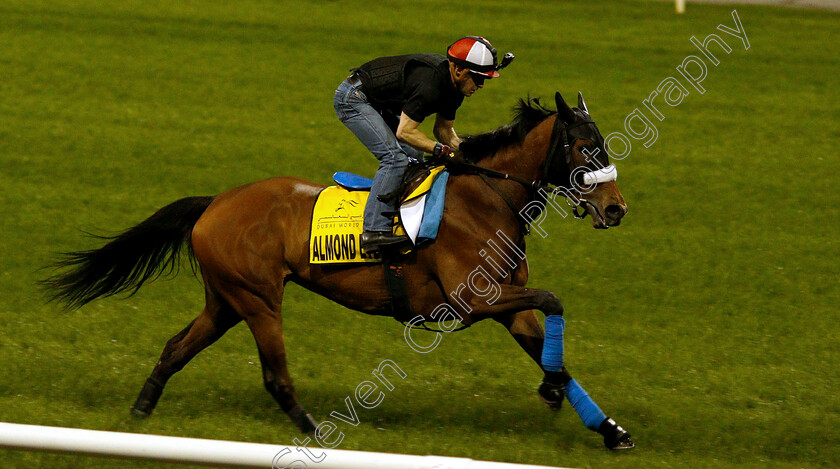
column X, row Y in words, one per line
column 395, row 282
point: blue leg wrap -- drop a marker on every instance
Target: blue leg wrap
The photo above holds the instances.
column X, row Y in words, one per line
column 586, row 408
column 552, row 353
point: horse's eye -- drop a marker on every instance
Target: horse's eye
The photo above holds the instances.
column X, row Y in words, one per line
column 589, row 153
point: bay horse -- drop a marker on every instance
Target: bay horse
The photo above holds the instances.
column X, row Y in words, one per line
column 248, row 242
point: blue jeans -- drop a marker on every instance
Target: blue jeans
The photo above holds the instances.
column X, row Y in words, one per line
column 355, row 112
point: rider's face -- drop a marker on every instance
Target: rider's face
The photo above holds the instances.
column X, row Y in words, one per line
column 467, row 82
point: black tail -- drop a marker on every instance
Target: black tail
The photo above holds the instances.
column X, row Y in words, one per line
column 130, row 259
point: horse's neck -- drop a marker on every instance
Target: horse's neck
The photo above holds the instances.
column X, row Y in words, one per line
column 524, row 161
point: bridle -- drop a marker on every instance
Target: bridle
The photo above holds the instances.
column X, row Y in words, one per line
column 537, row 189
column 561, row 132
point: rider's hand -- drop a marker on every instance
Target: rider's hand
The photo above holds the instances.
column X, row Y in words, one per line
column 440, row 153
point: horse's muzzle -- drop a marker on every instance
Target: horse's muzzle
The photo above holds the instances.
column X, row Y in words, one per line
column 614, row 213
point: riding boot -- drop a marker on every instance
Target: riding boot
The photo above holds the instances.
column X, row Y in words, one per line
column 371, row 241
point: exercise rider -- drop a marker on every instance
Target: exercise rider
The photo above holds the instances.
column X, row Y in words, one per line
column 383, row 103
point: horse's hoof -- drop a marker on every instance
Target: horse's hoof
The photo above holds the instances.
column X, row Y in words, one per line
column 308, row 425
column 148, row 398
column 142, row 408
column 615, row 437
column 623, row 443
column 552, row 395
column 135, row 412
column 303, row 420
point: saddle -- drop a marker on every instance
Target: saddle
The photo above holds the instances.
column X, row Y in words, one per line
column 337, row 219
column 413, row 177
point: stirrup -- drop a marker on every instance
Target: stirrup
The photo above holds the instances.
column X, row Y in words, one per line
column 372, row 241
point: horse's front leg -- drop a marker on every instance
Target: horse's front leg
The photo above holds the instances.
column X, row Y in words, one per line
column 526, row 328
column 528, row 332
column 509, row 300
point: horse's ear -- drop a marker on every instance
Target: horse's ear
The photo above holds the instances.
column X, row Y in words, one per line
column 582, row 103
column 563, row 109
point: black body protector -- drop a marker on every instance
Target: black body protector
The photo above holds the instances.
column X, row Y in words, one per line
column 417, row 84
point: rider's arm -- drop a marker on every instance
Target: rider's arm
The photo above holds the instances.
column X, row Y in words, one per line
column 445, row 132
column 409, row 132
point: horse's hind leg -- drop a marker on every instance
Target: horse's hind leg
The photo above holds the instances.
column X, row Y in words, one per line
column 266, row 325
column 208, row 327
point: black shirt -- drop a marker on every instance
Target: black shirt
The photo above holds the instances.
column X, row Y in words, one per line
column 418, row 85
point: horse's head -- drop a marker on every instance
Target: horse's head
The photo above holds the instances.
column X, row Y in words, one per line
column 578, row 164
column 576, row 161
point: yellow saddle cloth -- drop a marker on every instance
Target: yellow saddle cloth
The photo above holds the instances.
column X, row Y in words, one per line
column 337, row 223
column 337, row 226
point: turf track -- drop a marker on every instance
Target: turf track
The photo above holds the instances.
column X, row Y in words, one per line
column 705, row 324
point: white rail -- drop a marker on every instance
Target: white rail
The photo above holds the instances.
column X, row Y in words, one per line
column 217, row 452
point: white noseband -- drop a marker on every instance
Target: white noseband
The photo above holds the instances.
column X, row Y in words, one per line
column 610, row 173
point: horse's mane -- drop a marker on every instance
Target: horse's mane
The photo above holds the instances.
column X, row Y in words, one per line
column 527, row 115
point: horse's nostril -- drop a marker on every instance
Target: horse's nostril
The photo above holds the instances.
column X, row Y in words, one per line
column 614, row 211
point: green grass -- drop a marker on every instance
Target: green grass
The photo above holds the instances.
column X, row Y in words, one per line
column 705, row 324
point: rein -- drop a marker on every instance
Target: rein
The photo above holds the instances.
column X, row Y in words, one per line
column 559, row 132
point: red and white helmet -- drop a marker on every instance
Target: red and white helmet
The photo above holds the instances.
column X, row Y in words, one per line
column 477, row 55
